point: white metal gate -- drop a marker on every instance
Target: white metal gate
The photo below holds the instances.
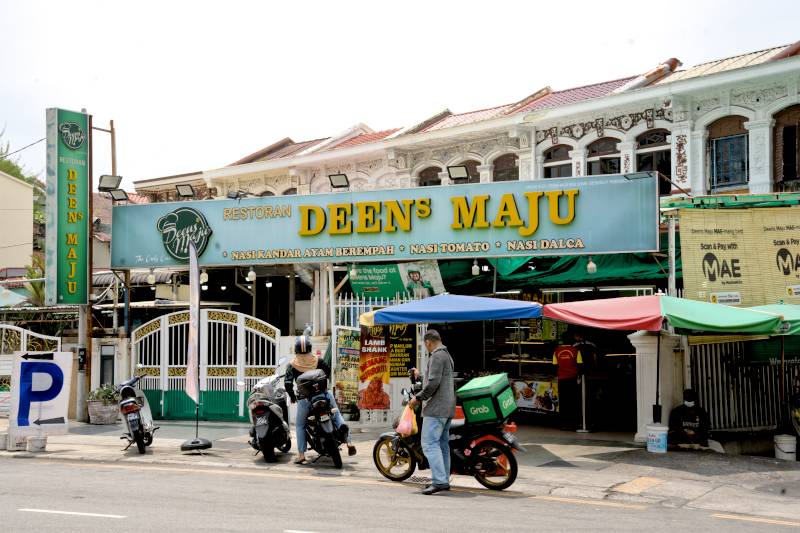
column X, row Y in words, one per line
column 15, row 339
column 233, row 347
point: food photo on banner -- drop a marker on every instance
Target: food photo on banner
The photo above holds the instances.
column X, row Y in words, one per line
column 539, row 396
column 418, row 279
column 348, row 358
column 374, row 389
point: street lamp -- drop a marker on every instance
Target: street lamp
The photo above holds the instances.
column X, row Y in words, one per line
column 203, row 277
column 185, row 191
column 475, row 268
column 591, row 266
column 251, row 276
column 108, row 183
column 339, row 181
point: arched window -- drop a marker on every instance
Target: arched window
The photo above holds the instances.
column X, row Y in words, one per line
column 786, row 148
column 603, row 157
column 506, row 168
column 429, row 177
column 268, row 193
column 653, row 154
column 290, row 192
column 557, row 163
column 729, row 153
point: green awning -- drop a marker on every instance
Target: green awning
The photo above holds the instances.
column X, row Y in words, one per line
column 790, row 313
column 702, row 316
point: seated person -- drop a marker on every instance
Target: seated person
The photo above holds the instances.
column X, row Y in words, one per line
column 688, row 423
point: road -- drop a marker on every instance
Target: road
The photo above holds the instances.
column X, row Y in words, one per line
column 37, row 495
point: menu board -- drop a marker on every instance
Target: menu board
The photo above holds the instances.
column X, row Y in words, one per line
column 402, row 349
column 348, row 358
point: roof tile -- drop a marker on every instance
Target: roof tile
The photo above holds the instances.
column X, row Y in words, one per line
column 574, row 95
column 365, row 138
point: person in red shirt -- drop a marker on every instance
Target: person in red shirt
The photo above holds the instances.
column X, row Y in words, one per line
column 569, row 361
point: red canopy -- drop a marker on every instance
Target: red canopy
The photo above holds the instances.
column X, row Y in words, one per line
column 630, row 313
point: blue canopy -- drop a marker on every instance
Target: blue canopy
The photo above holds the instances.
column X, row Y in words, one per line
column 452, row 308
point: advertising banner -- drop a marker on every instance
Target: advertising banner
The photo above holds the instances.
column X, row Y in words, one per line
column 536, row 395
column 402, row 349
column 741, row 257
column 561, row 216
column 67, row 226
column 40, row 387
column 419, row 279
column 779, row 252
column 373, row 373
column 719, row 254
column 346, row 372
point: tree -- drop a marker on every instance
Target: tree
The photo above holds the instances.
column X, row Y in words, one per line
column 36, row 288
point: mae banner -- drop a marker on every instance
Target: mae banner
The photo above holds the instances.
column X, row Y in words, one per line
column 67, row 226
column 418, row 279
column 560, row 216
column 741, row 256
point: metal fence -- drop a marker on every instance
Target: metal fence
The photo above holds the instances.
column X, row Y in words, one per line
column 739, row 395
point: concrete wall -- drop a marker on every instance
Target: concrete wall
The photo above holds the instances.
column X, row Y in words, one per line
column 16, row 222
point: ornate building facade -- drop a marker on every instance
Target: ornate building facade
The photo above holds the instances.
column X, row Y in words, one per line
column 726, row 126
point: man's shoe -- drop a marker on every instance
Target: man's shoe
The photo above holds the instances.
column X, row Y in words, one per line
column 433, row 489
column 351, row 450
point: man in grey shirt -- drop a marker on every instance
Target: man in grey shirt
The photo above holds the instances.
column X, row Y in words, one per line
column 438, row 410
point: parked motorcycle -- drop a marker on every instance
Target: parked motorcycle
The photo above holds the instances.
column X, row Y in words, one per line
column 321, row 434
column 484, row 451
column 136, row 413
column 270, row 417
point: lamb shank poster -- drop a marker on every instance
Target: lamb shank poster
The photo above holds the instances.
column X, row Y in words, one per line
column 373, row 371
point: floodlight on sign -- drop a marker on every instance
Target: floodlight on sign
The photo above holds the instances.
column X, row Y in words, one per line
column 185, row 191
column 108, row 183
column 339, row 181
column 458, row 172
column 118, row 195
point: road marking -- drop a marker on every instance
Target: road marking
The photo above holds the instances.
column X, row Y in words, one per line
column 758, row 519
column 638, row 485
column 49, row 511
column 600, row 503
column 297, row 531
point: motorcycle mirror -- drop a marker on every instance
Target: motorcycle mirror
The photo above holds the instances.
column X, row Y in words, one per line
column 282, row 360
column 139, row 365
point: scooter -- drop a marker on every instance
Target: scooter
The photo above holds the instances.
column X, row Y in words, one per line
column 484, row 451
column 270, row 417
column 137, row 416
column 321, row 434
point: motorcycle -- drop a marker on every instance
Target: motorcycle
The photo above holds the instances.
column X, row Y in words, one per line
column 270, row 417
column 322, row 436
column 136, row 413
column 484, row 451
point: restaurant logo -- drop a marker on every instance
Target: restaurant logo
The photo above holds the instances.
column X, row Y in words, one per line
column 180, row 227
column 713, row 268
column 787, row 263
column 72, row 135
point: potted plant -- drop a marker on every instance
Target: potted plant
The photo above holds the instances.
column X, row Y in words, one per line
column 102, row 405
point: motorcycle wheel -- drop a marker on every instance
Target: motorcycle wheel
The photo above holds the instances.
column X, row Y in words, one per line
column 494, row 464
column 267, row 449
column 286, row 445
column 139, row 438
column 387, row 459
column 333, row 450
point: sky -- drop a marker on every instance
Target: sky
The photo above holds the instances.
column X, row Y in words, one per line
column 197, row 85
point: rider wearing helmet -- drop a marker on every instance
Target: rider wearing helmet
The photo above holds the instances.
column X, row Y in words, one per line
column 305, row 361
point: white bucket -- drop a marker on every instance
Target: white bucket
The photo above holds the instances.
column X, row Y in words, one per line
column 657, row 438
column 37, row 444
column 786, row 447
column 3, row 440
column 15, row 443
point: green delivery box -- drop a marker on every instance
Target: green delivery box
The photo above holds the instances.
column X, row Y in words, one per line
column 487, row 399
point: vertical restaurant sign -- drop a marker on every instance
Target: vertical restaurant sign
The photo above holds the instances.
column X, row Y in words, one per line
column 68, row 217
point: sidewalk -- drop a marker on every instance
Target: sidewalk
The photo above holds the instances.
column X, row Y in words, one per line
column 608, row 467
